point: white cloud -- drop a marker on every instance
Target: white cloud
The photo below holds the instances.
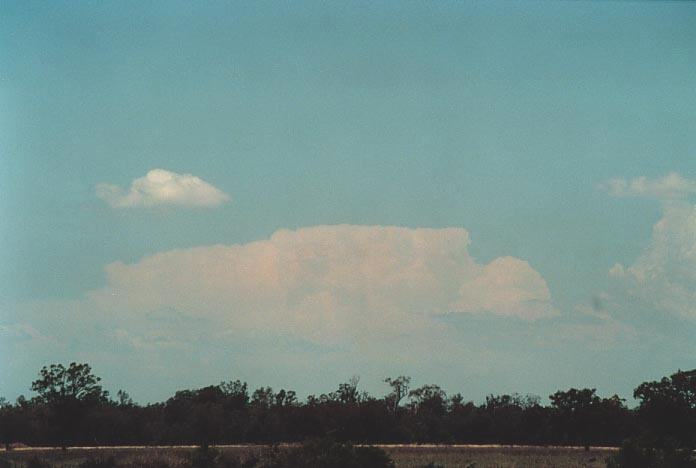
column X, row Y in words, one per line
column 669, row 187
column 161, row 187
column 329, row 284
column 324, row 301
column 507, row 286
column 663, row 277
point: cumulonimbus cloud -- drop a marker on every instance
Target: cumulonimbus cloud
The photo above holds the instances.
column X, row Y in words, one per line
column 669, row 187
column 161, row 187
column 328, row 283
column 663, row 278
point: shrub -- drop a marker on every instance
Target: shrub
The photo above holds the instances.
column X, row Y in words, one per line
column 204, row 457
column 372, row 457
column 642, row 453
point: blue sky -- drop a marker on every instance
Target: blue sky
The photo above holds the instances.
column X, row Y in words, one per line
column 505, row 120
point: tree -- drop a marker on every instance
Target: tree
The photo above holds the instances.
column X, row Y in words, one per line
column 399, row 386
column 263, row 398
column 124, row 399
column 77, row 383
column 68, row 393
column 236, row 393
column 668, row 408
column 429, row 398
column 576, row 411
column 8, row 422
column 348, row 391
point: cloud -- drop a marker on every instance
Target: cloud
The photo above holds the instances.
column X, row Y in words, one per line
column 161, row 187
column 507, row 286
column 328, row 300
column 328, row 284
column 20, row 331
column 670, row 187
column 663, row 278
column 590, row 326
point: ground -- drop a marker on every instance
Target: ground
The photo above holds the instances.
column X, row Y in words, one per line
column 410, row 456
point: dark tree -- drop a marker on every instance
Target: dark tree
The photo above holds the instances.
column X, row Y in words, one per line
column 587, row 418
column 8, row 423
column 668, row 408
column 72, row 407
column 399, row 386
column 68, row 393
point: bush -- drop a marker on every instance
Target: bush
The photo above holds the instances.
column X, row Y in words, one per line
column 205, row 457
column 642, row 453
column 372, row 457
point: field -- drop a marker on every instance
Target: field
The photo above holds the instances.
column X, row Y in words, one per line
column 497, row 456
column 410, row 456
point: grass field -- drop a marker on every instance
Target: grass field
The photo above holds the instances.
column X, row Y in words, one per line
column 495, row 456
column 403, row 455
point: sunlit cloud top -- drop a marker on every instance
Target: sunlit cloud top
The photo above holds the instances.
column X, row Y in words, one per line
column 162, row 187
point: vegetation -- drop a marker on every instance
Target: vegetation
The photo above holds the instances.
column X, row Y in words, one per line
column 71, row 408
column 403, row 456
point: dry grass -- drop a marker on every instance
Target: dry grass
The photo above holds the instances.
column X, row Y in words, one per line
column 407, row 456
column 497, row 457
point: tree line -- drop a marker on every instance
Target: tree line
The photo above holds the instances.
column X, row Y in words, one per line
column 71, row 408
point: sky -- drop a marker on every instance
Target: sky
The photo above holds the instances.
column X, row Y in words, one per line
column 492, row 196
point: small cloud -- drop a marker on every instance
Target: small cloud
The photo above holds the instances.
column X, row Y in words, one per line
column 161, row 187
column 670, row 187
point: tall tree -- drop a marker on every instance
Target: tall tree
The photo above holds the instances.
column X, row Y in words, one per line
column 68, row 393
column 399, row 386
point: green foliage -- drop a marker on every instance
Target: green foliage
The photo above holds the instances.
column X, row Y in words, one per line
column 58, row 384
